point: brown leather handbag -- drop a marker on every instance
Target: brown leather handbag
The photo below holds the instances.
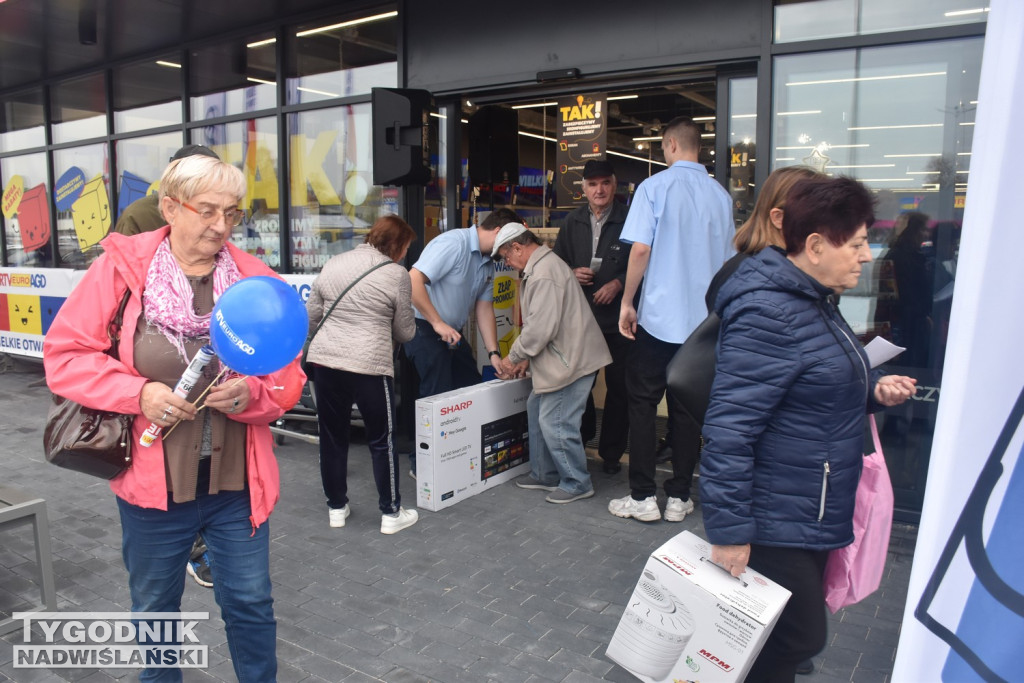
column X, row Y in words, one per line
column 95, row 442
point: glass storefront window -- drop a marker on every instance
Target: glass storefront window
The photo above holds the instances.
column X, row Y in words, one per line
column 78, row 109
column 742, row 146
column 140, row 163
column 344, row 57
column 252, row 146
column 901, row 120
column 147, row 94
column 248, row 85
column 26, row 211
column 84, row 212
column 22, row 123
column 811, row 19
column 333, row 199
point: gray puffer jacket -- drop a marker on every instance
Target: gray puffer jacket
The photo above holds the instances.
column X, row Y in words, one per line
column 378, row 310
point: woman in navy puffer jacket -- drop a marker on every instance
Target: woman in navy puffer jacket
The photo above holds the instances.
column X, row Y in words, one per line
column 784, row 429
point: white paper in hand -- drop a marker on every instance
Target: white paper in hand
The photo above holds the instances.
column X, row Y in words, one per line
column 880, row 351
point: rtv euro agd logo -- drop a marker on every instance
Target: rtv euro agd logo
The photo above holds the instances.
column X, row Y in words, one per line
column 119, row 640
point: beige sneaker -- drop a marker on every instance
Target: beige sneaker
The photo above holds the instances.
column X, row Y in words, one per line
column 645, row 510
column 392, row 525
column 676, row 509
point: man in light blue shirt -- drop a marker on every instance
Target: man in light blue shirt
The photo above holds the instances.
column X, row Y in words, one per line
column 453, row 275
column 680, row 225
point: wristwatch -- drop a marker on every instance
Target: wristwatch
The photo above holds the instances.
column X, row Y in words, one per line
column 494, row 353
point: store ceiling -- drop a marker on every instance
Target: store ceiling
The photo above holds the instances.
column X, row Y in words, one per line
column 40, row 39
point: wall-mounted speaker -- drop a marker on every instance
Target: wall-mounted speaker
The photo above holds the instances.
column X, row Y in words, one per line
column 400, row 151
column 494, row 145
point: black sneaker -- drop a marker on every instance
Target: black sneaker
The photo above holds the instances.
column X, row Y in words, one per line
column 198, row 566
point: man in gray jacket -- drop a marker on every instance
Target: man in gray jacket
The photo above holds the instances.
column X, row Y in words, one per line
column 563, row 347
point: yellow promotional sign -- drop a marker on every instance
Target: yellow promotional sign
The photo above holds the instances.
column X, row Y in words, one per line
column 12, row 196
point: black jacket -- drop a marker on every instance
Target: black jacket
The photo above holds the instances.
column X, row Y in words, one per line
column 574, row 246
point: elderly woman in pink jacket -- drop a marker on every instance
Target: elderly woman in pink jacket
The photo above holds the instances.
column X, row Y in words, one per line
column 215, row 473
column 362, row 303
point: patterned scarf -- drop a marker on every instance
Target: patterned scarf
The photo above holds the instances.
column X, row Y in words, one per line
column 168, row 304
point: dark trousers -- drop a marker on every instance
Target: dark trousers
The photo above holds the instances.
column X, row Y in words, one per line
column 615, row 418
column 646, row 362
column 336, row 391
column 440, row 368
column 801, row 630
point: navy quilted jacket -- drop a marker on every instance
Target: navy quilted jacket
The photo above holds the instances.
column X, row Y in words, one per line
column 784, row 430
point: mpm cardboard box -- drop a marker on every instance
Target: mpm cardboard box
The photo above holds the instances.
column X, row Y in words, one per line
column 469, row 439
column 690, row 620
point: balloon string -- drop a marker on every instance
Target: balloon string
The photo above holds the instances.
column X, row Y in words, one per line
column 203, row 394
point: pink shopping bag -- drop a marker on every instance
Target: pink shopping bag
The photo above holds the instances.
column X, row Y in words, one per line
column 854, row 572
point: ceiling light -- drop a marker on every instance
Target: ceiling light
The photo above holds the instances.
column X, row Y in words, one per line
column 261, row 43
column 923, row 172
column 259, row 80
column 344, row 24
column 707, row 135
column 170, row 64
column 864, row 166
column 536, row 104
column 318, row 92
column 967, row 123
column 906, row 125
column 630, row 156
column 791, row 113
column 621, row 97
column 868, row 78
column 903, row 156
column 864, row 144
column 539, row 137
column 963, row 12
column 884, row 180
column 962, row 154
column 698, row 119
column 785, row 158
column 438, row 116
column 649, row 138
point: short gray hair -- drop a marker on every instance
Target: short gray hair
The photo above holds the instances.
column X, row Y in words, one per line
column 193, row 175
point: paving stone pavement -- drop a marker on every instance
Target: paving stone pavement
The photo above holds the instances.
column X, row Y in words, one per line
column 501, row 587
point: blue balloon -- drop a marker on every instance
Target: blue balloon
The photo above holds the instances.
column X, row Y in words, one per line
column 258, row 325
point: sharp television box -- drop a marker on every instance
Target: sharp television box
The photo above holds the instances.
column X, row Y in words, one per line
column 470, row 439
column 690, row 620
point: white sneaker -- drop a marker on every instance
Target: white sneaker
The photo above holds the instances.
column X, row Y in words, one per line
column 339, row 515
column 392, row 525
column 676, row 509
column 645, row 510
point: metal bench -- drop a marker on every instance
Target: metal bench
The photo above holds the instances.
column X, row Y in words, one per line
column 16, row 509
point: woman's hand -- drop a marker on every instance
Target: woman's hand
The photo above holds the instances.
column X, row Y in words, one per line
column 162, row 406
column 732, row 558
column 229, row 397
column 892, row 390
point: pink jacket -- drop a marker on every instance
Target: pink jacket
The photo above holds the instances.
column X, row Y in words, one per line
column 77, row 368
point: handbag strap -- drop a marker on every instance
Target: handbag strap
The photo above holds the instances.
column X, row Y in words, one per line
column 114, row 328
column 874, row 433
column 343, row 293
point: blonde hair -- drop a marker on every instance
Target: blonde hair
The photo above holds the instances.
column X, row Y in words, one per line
column 185, row 178
column 758, row 232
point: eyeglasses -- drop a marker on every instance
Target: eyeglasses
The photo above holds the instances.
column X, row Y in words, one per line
column 208, row 216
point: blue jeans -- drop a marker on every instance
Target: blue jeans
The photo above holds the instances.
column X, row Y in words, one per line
column 156, row 546
column 556, row 449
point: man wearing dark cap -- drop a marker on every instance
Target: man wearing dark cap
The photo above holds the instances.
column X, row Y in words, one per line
column 589, row 244
column 144, row 214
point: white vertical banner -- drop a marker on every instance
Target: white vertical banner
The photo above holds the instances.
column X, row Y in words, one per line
column 964, row 619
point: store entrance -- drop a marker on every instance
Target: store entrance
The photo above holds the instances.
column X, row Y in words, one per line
column 528, row 151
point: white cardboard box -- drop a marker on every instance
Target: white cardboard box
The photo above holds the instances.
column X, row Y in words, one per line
column 469, row 439
column 690, row 620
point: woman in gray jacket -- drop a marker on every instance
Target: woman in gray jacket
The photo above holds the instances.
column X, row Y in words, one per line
column 351, row 361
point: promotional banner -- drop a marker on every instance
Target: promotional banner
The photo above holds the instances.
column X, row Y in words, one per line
column 582, row 135
column 29, row 301
column 964, row 618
